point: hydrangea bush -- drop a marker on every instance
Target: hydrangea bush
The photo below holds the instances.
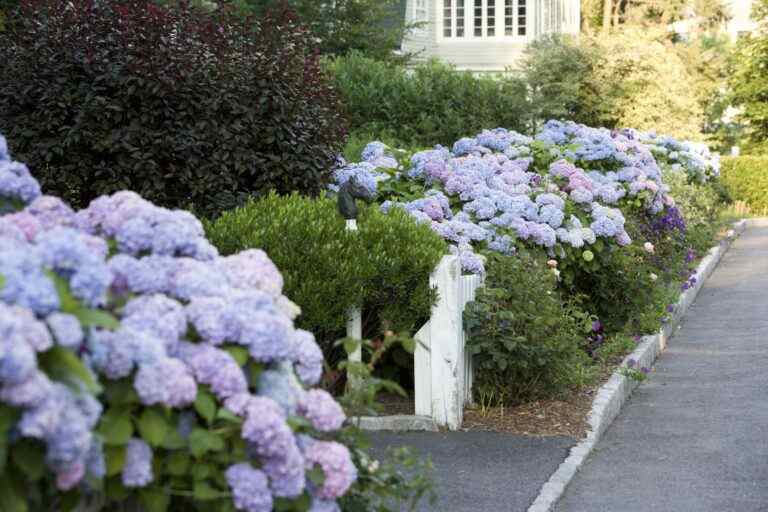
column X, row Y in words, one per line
column 589, row 199
column 566, row 187
column 139, row 366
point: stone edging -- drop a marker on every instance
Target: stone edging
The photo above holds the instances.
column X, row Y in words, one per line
column 614, row 393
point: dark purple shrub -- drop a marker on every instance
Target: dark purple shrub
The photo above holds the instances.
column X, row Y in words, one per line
column 183, row 105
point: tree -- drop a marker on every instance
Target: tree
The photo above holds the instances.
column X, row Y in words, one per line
column 749, row 81
column 374, row 27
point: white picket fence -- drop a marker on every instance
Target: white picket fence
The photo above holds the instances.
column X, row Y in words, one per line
column 442, row 367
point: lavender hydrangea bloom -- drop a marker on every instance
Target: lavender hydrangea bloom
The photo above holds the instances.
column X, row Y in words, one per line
column 16, row 182
column 249, row 488
column 286, row 472
column 95, row 463
column 28, row 393
column 253, row 269
column 157, row 315
column 320, row 408
column 216, row 368
column 168, row 382
column 66, row 329
column 336, row 463
column 309, row 358
column 266, row 333
column 266, row 428
column 324, row 506
column 137, row 471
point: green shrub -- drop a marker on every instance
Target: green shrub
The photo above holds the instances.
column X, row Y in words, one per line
column 525, row 341
column 700, row 204
column 427, row 104
column 384, row 266
column 746, row 178
column 569, row 79
column 95, row 100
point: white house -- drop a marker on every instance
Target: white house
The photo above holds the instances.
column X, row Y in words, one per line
column 485, row 35
column 741, row 22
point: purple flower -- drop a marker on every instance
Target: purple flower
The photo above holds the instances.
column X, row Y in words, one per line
column 66, row 329
column 168, row 382
column 286, row 472
column 252, row 269
column 319, row 407
column 216, row 368
column 267, row 334
column 309, row 358
column 249, row 488
column 265, row 427
column 137, row 471
column 336, row 463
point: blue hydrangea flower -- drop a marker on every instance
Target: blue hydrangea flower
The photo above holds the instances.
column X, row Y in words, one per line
column 137, row 470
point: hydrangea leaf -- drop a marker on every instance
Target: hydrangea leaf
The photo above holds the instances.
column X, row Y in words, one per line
column 202, row 441
column 173, row 440
column 8, row 418
column 96, row 318
column 154, row 500
column 30, row 459
column 227, row 415
column 178, row 463
column 153, row 427
column 116, row 427
column 62, row 364
column 68, row 303
column 239, row 354
column 10, row 498
column 115, row 459
column 204, row 491
column 205, row 405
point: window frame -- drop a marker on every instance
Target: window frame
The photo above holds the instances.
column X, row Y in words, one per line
column 499, row 19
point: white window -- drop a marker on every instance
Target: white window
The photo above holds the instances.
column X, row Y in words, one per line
column 454, row 19
column 484, row 19
column 420, row 13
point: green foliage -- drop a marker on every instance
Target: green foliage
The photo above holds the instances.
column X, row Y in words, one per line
column 700, row 204
column 206, row 121
column 746, row 178
column 749, row 80
column 384, row 266
column 526, row 342
column 372, row 27
column 427, row 104
column 567, row 79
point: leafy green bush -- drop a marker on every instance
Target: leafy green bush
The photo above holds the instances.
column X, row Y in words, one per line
column 384, row 266
column 206, row 121
column 427, row 104
column 746, row 178
column 569, row 79
column 526, row 342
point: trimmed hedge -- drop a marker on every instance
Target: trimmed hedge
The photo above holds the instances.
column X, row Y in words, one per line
column 186, row 107
column 746, row 178
column 385, row 265
column 427, row 104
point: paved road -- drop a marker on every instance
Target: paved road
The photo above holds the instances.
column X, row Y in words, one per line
column 694, row 437
column 484, row 471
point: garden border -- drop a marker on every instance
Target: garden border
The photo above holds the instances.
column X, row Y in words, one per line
column 614, row 394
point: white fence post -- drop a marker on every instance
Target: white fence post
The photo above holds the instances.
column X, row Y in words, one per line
column 354, row 324
column 446, row 351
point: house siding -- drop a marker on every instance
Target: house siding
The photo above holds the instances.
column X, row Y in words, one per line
column 546, row 16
